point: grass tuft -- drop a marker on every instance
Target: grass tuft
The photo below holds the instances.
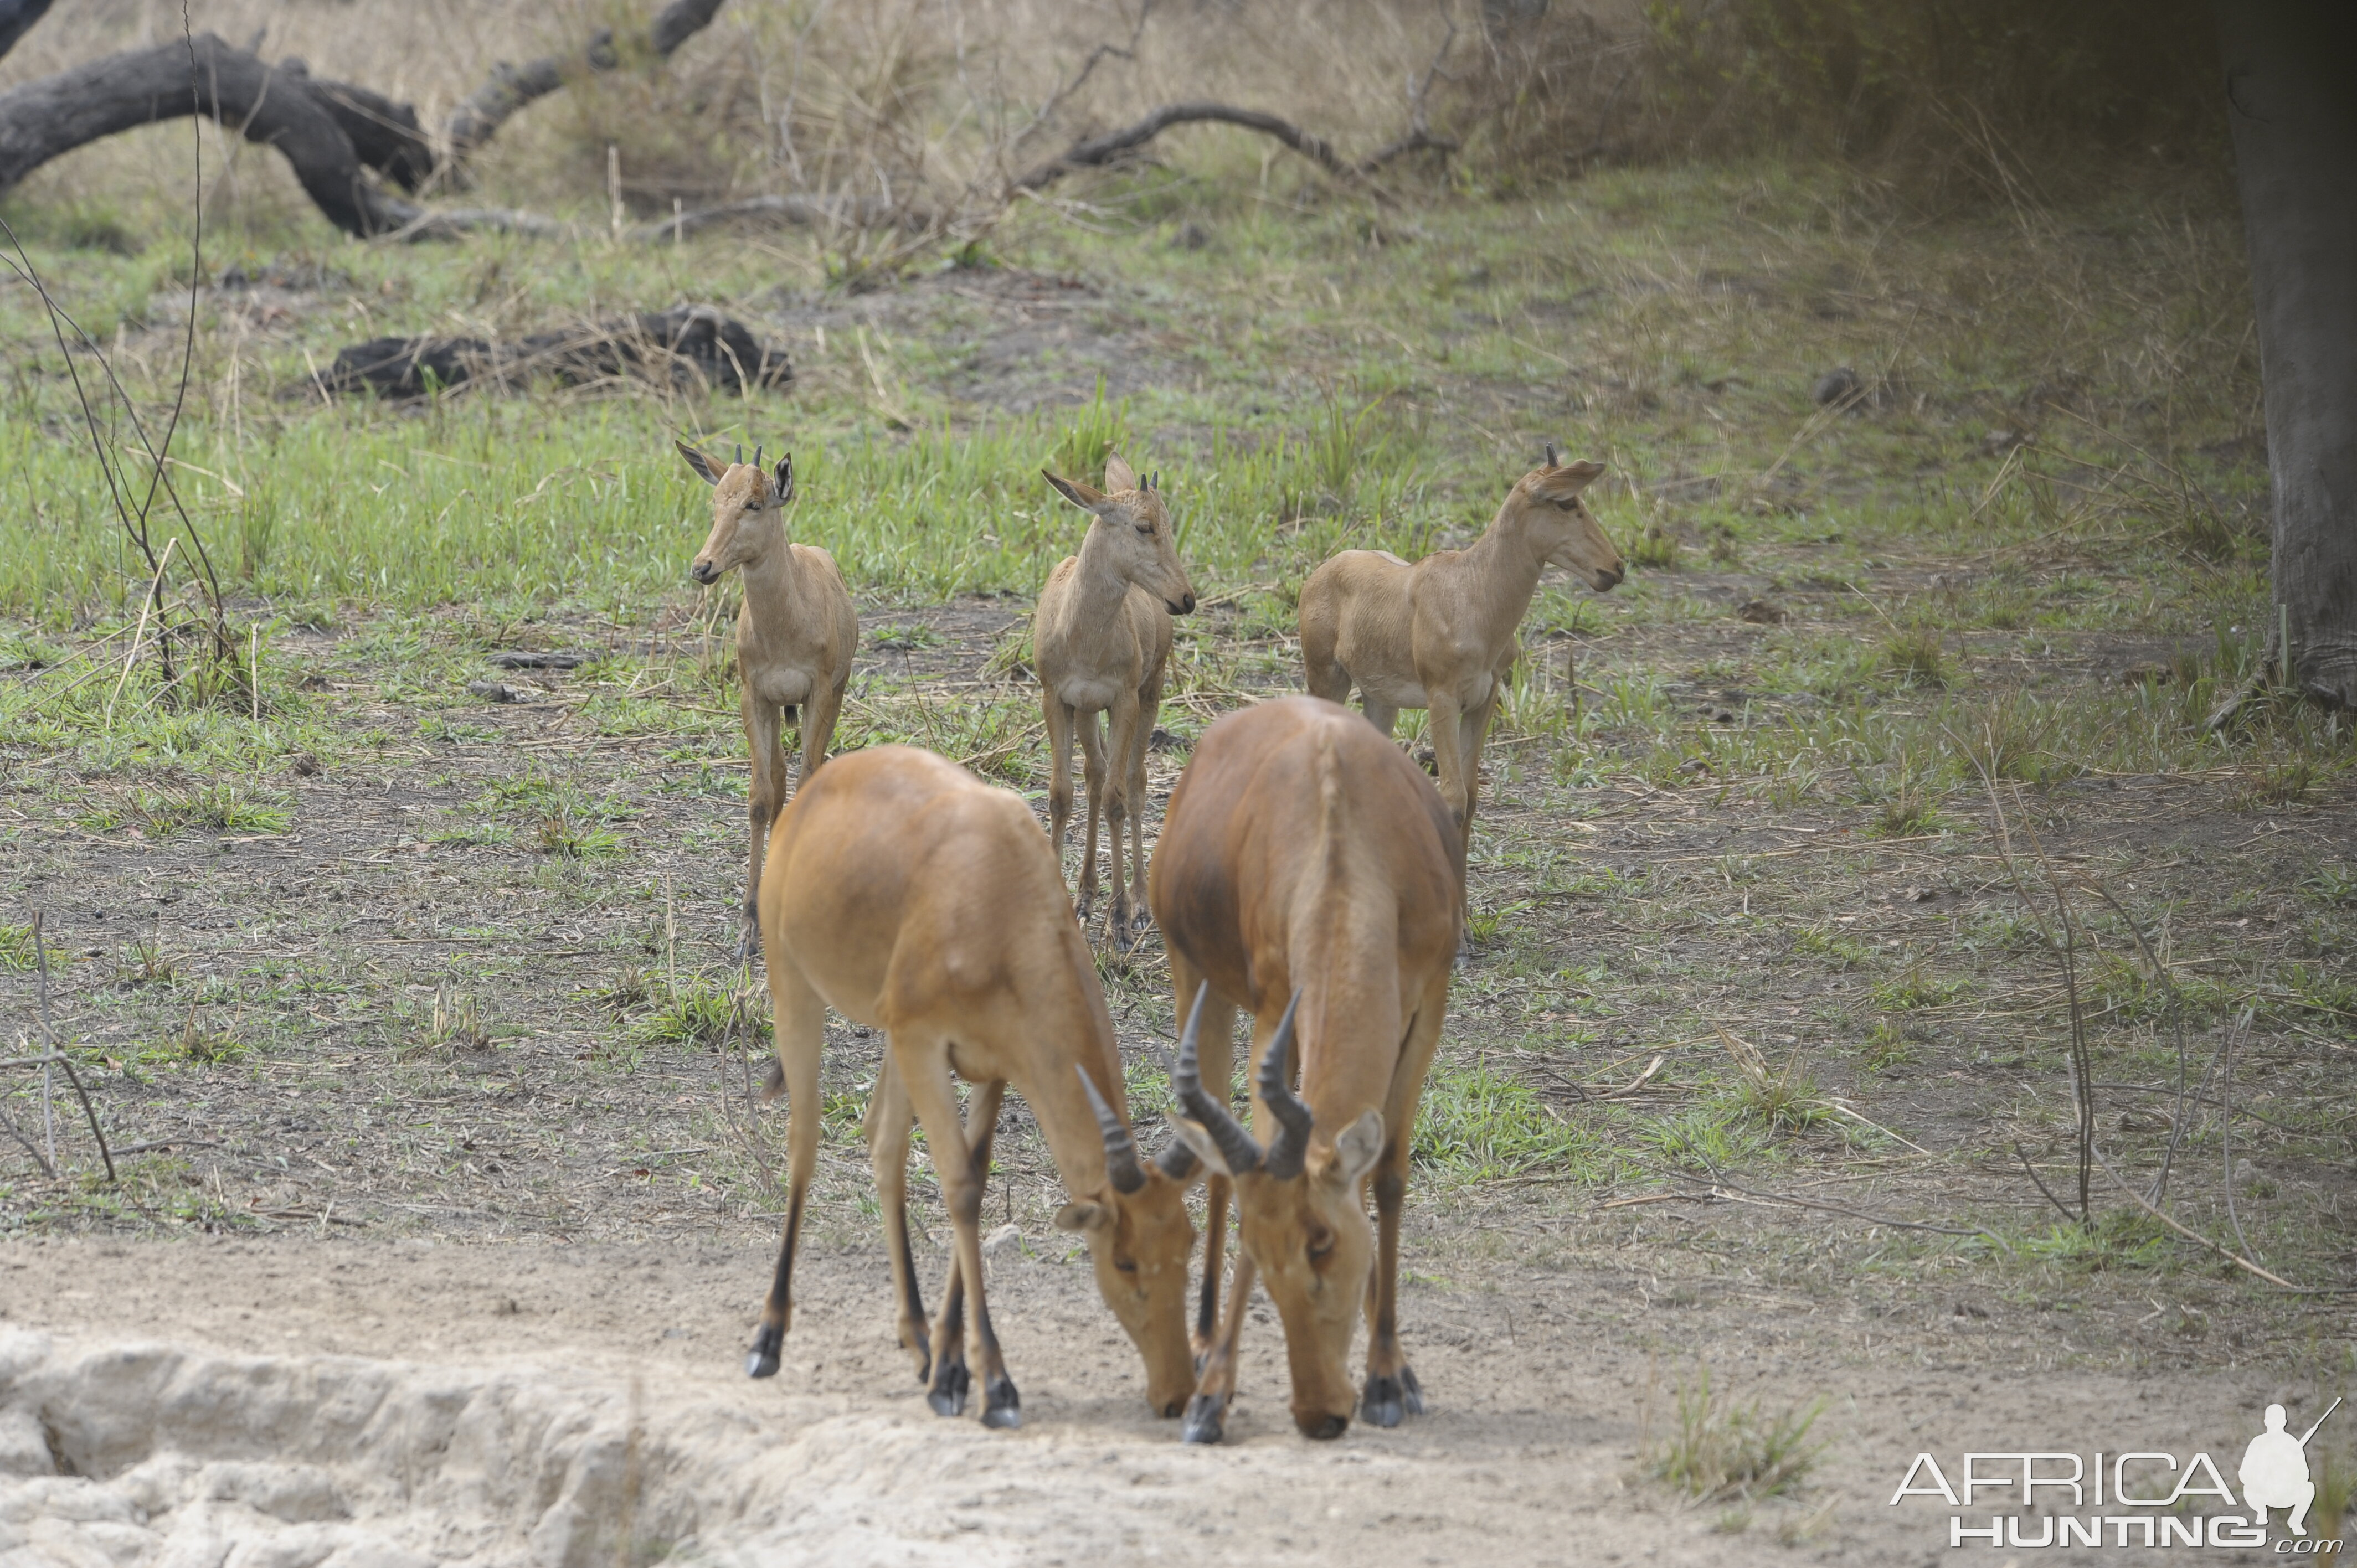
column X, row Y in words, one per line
column 1722, row 1450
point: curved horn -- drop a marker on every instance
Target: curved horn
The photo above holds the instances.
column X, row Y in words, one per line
column 740, row 452
column 1276, row 1084
column 1551, row 462
column 1236, row 1145
column 1120, row 1146
column 757, row 457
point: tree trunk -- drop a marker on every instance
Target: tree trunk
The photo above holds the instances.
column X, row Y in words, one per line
column 2289, row 67
column 17, row 19
column 42, row 119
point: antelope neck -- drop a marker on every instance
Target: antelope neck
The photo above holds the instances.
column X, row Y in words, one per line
column 1101, row 589
column 771, row 571
column 1505, row 563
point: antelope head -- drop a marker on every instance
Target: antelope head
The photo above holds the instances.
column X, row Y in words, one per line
column 1139, row 1238
column 1300, row 1212
column 747, row 501
column 1132, row 526
column 1560, row 527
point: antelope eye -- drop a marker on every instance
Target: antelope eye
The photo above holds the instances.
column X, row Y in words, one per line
column 1322, row 1242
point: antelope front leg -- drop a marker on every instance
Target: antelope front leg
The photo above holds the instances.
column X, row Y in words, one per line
column 951, row 1378
column 1215, row 1385
column 825, row 706
column 801, row 1020
column 765, row 795
column 1125, row 770
column 1093, row 765
column 1392, row 1391
column 926, row 1072
column 1059, row 718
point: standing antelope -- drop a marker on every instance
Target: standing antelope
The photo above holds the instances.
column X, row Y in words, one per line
column 794, row 637
column 1440, row 634
column 1307, row 873
column 1099, row 639
column 910, row 897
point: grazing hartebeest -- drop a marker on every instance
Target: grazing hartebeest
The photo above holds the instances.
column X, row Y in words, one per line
column 1307, row 873
column 1099, row 640
column 1440, row 634
column 909, row 896
column 795, row 636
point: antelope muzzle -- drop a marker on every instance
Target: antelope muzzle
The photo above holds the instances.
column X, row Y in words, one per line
column 704, row 572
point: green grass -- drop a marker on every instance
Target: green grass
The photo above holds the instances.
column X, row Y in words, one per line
column 1475, row 1125
column 1719, row 1449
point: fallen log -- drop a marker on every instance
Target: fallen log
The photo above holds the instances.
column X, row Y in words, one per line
column 692, row 346
column 17, row 19
column 278, row 107
column 1113, row 146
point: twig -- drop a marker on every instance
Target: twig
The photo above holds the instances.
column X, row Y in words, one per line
column 2226, row 1122
column 75, row 1079
column 2234, row 1258
column 2062, row 1208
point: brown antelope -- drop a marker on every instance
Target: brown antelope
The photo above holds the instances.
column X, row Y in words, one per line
column 1307, row 873
column 1439, row 635
column 1099, row 640
column 910, row 897
column 795, row 636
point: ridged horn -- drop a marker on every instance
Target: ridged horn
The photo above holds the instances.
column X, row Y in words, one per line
column 757, row 456
column 1550, row 451
column 740, row 452
column 1292, row 1146
column 1236, row 1145
column 1120, row 1146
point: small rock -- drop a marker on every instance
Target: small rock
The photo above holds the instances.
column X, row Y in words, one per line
column 1005, row 1238
column 1997, row 442
column 2145, row 1121
column 2245, row 1173
column 1759, row 612
column 1840, row 384
column 303, row 764
column 1722, row 715
column 494, row 692
column 1193, row 236
column 1693, row 767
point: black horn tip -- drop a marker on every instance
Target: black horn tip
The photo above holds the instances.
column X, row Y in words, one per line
column 1550, row 455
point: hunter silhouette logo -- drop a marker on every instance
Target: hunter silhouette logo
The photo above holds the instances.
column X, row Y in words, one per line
column 2275, row 1471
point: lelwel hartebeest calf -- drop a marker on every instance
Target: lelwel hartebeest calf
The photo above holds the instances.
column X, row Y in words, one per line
column 795, row 635
column 1100, row 638
column 1307, row 873
column 910, row 897
column 1439, row 635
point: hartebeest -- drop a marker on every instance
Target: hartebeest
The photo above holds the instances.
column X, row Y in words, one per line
column 795, row 635
column 1439, row 635
column 910, row 897
column 1307, row 873
column 1099, row 640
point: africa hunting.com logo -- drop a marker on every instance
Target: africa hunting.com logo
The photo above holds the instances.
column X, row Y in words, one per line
column 2273, row 1475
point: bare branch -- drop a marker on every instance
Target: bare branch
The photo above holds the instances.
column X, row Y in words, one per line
column 512, row 88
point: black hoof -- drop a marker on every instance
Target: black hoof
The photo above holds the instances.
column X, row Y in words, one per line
column 950, row 1383
column 1002, row 1407
column 762, row 1361
column 1326, row 1428
column 1383, row 1403
column 1412, row 1390
column 1203, row 1413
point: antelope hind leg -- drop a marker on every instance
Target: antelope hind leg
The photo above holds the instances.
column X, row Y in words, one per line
column 888, row 1154
column 950, row 1378
column 801, row 1019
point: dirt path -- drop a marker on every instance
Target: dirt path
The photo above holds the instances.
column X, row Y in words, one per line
column 297, row 1401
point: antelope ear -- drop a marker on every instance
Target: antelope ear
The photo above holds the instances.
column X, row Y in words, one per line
column 1119, row 475
column 785, row 477
column 1086, row 497
column 1191, row 1133
column 1076, row 1217
column 696, row 460
column 1358, row 1149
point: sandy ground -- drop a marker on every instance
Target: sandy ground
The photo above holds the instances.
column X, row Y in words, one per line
column 295, row 1401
